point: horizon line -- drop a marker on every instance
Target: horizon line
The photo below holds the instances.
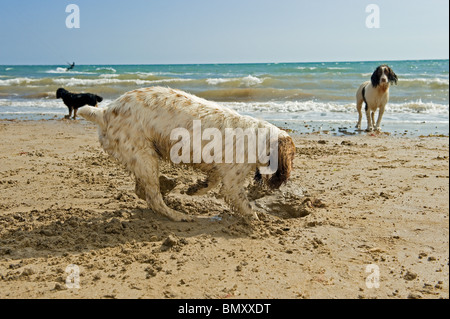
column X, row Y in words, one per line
column 236, row 63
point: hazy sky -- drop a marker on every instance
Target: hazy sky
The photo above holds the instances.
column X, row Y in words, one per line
column 225, row 31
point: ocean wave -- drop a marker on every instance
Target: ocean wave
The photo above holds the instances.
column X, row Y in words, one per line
column 338, row 68
column 253, row 94
column 435, row 83
column 325, row 107
column 109, row 76
column 18, row 104
column 106, row 69
column 219, row 81
column 60, row 70
column 17, row 81
column 84, row 82
column 290, row 107
column 247, row 81
column 418, row 107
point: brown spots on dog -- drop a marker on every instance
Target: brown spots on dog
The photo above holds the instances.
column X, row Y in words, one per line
column 126, row 99
column 140, row 96
column 126, row 113
column 116, row 131
column 157, row 150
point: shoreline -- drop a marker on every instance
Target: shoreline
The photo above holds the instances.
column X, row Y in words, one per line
column 314, row 127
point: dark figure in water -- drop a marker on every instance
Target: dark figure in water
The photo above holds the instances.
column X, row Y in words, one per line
column 71, row 66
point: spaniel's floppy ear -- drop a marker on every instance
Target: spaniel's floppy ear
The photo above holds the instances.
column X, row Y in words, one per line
column 392, row 76
column 376, row 77
column 286, row 153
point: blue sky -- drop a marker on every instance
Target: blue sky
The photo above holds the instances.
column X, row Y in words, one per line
column 225, row 31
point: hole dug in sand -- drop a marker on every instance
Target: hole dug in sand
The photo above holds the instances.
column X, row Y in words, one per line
column 287, row 202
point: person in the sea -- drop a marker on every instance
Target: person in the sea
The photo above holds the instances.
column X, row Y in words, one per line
column 71, row 66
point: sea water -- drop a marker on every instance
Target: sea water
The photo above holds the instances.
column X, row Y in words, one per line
column 303, row 97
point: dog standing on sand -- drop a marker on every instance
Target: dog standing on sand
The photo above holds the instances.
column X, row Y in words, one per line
column 375, row 95
column 76, row 100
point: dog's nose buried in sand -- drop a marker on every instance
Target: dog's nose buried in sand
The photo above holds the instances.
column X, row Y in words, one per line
column 144, row 126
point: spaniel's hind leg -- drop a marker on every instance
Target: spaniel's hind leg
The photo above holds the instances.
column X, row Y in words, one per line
column 145, row 166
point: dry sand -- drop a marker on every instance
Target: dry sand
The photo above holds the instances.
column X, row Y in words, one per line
column 352, row 202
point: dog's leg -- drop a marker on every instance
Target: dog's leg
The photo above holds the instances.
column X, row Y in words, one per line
column 234, row 192
column 204, row 186
column 359, row 105
column 380, row 116
column 75, row 114
column 70, row 113
column 166, row 185
column 372, row 115
column 369, row 122
column 146, row 169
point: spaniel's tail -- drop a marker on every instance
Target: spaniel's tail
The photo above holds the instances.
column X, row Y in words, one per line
column 93, row 114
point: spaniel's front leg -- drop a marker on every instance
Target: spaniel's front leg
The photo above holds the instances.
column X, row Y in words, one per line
column 380, row 116
column 234, row 192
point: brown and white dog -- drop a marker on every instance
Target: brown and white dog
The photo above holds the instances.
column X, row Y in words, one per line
column 137, row 129
column 375, row 95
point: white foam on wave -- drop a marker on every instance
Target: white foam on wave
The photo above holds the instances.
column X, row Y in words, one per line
column 247, row 81
column 106, row 69
column 338, row 68
column 105, row 81
column 251, row 81
column 41, row 103
column 428, row 81
column 218, row 81
column 315, row 106
column 18, row 104
column 17, row 81
column 109, row 76
column 60, row 70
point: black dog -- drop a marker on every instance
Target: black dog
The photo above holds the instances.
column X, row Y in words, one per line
column 74, row 101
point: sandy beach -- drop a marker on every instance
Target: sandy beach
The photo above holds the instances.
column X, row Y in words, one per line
column 352, row 201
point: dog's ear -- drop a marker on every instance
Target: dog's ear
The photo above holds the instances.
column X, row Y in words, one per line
column 393, row 78
column 58, row 93
column 286, row 153
column 376, row 76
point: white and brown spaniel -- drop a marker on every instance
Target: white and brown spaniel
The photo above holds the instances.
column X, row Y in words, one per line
column 138, row 129
column 375, row 95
